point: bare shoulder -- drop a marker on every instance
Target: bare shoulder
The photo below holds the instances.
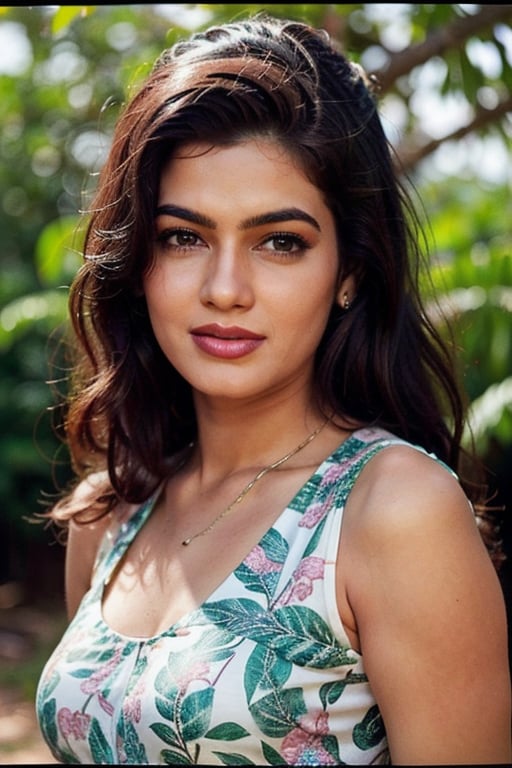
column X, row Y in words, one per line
column 409, row 525
column 408, row 530
column 402, row 488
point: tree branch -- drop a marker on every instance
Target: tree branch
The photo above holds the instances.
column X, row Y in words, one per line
column 411, row 156
column 437, row 42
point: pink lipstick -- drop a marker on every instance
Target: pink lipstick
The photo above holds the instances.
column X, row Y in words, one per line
column 227, row 342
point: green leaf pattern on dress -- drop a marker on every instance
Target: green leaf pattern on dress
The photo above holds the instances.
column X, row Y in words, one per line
column 268, row 620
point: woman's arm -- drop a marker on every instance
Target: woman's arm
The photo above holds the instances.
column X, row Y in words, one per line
column 430, row 613
column 81, row 549
column 84, row 539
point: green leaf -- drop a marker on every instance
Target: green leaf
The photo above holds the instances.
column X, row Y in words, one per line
column 263, row 583
column 275, row 546
column 133, row 748
column 330, row 692
column 227, row 732
column 296, row 633
column 488, row 410
column 231, row 758
column 370, row 731
column 166, row 685
column 50, row 684
column 195, row 714
column 270, row 754
column 81, row 674
column 167, row 734
column 100, row 749
column 165, row 707
column 313, row 542
column 307, row 640
column 49, row 721
column 106, row 655
column 265, row 670
column 170, row 757
column 277, row 714
column 331, row 745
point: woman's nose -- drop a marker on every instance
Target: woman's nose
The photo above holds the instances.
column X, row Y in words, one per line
column 227, row 283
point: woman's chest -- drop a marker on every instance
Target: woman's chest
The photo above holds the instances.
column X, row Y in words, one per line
column 232, row 678
column 157, row 579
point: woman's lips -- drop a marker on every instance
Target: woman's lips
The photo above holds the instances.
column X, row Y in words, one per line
column 228, row 343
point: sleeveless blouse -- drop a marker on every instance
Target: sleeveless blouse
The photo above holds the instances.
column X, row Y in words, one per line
column 261, row 674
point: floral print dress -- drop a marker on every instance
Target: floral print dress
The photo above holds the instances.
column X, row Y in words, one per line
column 261, row 674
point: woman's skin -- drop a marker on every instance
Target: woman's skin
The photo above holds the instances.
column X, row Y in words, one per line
column 246, row 271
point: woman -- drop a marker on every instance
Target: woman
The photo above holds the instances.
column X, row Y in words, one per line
column 253, row 365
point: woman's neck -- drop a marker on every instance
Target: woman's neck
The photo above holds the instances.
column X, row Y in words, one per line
column 236, row 437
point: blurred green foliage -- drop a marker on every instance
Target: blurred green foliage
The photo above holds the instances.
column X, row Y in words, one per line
column 63, row 80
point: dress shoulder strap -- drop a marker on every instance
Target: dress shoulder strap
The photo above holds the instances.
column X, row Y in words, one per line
column 368, row 441
column 365, row 443
column 113, row 545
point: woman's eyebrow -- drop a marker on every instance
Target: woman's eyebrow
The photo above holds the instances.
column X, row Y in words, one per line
column 185, row 213
column 284, row 214
column 272, row 217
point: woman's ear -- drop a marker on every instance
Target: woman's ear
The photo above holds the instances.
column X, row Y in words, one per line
column 346, row 292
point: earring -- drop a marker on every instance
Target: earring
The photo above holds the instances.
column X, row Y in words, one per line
column 346, row 301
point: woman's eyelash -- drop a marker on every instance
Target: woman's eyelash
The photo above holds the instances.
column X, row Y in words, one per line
column 283, row 242
column 297, row 242
column 165, row 235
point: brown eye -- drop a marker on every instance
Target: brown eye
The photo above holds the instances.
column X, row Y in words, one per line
column 285, row 243
column 178, row 238
column 183, row 238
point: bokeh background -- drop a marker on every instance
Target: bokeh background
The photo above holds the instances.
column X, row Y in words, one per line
column 445, row 73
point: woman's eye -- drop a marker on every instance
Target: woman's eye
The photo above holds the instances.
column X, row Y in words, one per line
column 178, row 238
column 283, row 242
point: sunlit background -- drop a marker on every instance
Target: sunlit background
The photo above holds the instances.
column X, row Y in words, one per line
column 65, row 72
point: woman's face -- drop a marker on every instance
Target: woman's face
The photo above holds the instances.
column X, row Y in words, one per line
column 245, row 271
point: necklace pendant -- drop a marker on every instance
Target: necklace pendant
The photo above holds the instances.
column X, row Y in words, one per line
column 186, row 542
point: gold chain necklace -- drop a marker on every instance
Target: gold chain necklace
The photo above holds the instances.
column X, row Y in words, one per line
column 249, row 486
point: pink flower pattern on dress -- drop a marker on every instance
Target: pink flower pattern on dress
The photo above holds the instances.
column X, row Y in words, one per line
column 75, row 724
column 132, row 705
column 304, row 746
column 132, row 709
column 92, row 684
column 316, row 512
column 313, row 515
column 258, row 561
column 333, row 474
column 105, row 705
column 225, row 651
column 301, row 584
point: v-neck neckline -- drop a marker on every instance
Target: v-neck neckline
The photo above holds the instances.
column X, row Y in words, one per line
column 130, row 529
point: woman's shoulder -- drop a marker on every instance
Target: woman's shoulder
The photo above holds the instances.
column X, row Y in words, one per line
column 91, row 526
column 88, row 504
column 406, row 518
column 403, row 487
column 380, row 455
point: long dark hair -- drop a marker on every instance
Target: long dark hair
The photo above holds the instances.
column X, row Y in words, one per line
column 129, row 412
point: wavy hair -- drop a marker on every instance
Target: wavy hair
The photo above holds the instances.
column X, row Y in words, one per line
column 129, row 412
